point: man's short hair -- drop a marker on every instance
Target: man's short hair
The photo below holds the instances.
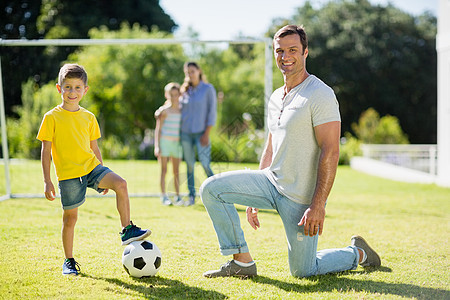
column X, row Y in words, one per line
column 293, row 29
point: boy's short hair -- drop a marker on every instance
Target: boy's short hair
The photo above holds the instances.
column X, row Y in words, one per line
column 170, row 86
column 72, row 71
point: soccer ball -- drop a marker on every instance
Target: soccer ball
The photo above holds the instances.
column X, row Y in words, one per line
column 141, row 259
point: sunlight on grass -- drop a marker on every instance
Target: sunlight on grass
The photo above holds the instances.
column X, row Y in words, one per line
column 408, row 224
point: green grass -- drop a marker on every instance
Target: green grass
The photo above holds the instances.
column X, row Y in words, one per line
column 408, row 224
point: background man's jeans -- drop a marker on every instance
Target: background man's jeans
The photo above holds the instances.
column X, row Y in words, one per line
column 252, row 188
column 190, row 143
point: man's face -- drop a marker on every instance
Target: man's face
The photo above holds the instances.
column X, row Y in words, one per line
column 289, row 55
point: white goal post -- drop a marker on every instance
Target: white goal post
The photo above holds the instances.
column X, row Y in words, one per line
column 268, row 76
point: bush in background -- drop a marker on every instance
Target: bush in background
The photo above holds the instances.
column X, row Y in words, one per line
column 371, row 129
column 350, row 146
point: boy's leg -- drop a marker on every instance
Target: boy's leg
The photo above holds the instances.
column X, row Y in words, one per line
column 116, row 183
column 119, row 186
column 70, row 217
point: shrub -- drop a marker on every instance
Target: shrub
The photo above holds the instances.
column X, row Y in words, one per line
column 350, row 146
column 371, row 129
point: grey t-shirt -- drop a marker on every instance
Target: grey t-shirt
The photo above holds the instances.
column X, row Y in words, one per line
column 291, row 122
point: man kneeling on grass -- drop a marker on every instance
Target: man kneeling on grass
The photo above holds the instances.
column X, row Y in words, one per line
column 297, row 171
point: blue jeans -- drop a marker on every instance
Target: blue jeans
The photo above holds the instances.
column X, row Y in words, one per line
column 191, row 142
column 252, row 188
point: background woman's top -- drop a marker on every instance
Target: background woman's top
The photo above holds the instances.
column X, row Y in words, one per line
column 198, row 108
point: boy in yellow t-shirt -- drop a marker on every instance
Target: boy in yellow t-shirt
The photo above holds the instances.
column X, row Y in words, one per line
column 69, row 135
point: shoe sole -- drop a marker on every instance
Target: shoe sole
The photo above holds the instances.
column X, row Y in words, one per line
column 235, row 275
column 137, row 238
column 70, row 274
column 235, row 271
column 372, row 252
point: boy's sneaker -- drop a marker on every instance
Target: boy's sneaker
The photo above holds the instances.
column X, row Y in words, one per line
column 70, row 267
column 133, row 233
column 372, row 258
column 232, row 269
column 165, row 200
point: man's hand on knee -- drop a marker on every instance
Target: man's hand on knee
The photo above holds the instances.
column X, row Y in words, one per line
column 252, row 217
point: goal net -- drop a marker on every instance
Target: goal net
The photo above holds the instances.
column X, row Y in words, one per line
column 22, row 178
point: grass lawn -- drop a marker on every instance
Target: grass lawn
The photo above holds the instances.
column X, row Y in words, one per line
column 408, row 224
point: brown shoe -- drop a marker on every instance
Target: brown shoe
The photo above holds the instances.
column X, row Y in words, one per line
column 232, row 269
column 373, row 259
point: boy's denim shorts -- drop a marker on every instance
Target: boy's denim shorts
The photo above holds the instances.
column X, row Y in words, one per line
column 73, row 191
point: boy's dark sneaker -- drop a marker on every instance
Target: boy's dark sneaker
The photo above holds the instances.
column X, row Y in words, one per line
column 133, row 233
column 372, row 259
column 232, row 269
column 70, row 267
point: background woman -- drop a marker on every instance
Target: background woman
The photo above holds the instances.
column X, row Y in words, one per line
column 198, row 115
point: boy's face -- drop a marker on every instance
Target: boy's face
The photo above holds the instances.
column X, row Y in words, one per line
column 72, row 91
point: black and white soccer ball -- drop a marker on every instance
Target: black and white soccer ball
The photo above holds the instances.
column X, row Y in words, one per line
column 141, row 259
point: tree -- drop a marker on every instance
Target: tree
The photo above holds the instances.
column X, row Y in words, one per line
column 375, row 56
column 127, row 82
column 55, row 19
column 18, row 20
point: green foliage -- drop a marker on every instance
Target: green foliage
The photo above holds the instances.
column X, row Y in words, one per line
column 245, row 146
column 126, row 87
column 22, row 132
column 127, row 83
column 371, row 129
column 241, row 82
column 68, row 19
column 350, row 146
column 368, row 54
column 56, row 19
column 371, row 56
column 18, row 64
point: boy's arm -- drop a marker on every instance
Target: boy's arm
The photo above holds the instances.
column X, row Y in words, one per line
column 94, row 147
column 46, row 160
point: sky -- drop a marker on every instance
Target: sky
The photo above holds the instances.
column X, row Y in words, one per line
column 228, row 19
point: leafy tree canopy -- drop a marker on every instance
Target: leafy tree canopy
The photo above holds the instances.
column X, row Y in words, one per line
column 374, row 56
column 37, row 19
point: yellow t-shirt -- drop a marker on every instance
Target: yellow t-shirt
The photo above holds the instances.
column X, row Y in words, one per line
column 71, row 134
